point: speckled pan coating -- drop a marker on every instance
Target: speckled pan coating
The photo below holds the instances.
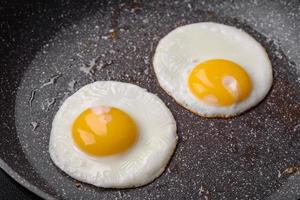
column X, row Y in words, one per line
column 49, row 50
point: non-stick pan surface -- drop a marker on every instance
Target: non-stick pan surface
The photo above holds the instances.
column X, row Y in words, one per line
column 50, row 50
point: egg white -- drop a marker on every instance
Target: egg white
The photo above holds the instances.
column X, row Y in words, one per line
column 185, row 47
column 138, row 166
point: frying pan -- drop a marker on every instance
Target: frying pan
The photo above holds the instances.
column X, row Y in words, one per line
column 51, row 49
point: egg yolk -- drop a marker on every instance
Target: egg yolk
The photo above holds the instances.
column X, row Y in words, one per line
column 219, row 82
column 104, row 131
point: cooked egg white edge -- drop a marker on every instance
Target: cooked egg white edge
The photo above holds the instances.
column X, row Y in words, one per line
column 172, row 69
column 140, row 165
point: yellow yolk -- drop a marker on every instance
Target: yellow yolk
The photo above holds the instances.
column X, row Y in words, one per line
column 104, row 131
column 219, row 82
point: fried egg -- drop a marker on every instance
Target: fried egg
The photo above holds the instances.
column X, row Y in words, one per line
column 212, row 69
column 113, row 135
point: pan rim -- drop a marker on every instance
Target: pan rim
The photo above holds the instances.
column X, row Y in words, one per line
column 23, row 182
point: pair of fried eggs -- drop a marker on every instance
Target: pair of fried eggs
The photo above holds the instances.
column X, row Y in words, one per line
column 118, row 135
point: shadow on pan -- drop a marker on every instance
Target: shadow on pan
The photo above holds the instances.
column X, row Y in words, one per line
column 50, row 50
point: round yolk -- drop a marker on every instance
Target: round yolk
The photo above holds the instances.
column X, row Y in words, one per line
column 104, row 131
column 219, row 82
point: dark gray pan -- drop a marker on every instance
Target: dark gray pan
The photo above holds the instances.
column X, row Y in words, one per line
column 252, row 156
